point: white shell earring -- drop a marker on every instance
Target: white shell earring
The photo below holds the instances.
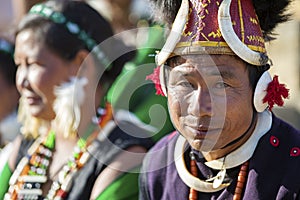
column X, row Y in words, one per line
column 261, row 91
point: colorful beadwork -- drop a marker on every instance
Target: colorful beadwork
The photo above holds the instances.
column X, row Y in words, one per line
column 31, row 172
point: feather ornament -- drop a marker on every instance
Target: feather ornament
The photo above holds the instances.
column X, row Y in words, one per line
column 69, row 97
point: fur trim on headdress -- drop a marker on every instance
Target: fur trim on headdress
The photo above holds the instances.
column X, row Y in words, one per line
column 165, row 11
column 271, row 13
column 69, row 97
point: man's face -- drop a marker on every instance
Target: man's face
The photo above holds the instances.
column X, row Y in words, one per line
column 210, row 99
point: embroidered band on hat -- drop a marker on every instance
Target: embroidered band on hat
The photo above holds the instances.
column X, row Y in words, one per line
column 216, row 27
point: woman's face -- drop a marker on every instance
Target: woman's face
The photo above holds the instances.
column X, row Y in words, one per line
column 39, row 71
column 210, row 100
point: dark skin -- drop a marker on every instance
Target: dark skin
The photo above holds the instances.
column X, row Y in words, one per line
column 210, row 102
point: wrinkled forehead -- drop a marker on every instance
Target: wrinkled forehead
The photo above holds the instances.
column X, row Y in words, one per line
column 208, row 64
column 205, row 60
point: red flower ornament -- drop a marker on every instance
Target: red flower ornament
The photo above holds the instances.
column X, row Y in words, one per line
column 275, row 93
column 154, row 77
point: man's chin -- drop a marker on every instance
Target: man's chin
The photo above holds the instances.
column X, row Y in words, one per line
column 202, row 145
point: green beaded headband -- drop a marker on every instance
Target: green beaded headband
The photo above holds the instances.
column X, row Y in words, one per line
column 6, row 47
column 73, row 28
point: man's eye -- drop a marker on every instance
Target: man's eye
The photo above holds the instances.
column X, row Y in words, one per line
column 221, row 85
column 185, row 84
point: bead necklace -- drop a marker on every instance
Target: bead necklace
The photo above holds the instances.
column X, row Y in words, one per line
column 26, row 181
column 242, row 177
column 194, row 171
column 28, row 177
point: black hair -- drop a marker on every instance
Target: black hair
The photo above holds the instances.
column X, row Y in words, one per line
column 271, row 13
column 8, row 67
column 165, row 11
column 65, row 44
column 255, row 72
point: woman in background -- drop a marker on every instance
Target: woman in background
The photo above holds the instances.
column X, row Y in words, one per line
column 63, row 153
column 8, row 93
column 9, row 126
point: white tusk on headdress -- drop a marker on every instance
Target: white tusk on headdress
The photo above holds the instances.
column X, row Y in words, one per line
column 186, row 176
column 163, row 77
column 175, row 34
column 236, row 45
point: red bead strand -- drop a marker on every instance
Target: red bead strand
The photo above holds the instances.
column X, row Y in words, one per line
column 193, row 193
column 242, row 177
column 241, row 181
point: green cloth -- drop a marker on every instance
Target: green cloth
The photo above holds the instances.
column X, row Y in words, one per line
column 4, row 180
column 134, row 72
column 131, row 91
column 124, row 188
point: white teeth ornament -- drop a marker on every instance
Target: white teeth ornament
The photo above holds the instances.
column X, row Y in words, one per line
column 188, row 178
column 163, row 73
column 235, row 44
column 175, row 34
column 219, row 178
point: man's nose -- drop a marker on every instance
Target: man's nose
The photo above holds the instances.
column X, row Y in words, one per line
column 201, row 104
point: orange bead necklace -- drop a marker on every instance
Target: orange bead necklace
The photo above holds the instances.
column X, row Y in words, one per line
column 241, row 181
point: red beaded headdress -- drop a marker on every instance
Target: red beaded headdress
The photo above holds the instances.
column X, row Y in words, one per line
column 216, row 27
column 231, row 27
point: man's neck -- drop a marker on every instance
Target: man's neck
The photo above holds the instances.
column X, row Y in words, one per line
column 219, row 153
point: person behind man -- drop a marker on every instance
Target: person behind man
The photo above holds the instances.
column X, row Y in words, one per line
column 65, row 53
column 9, row 126
column 130, row 90
column 214, row 71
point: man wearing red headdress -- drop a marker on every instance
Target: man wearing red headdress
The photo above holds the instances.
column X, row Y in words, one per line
column 213, row 69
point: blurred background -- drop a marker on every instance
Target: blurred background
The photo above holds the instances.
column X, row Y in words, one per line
column 285, row 54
